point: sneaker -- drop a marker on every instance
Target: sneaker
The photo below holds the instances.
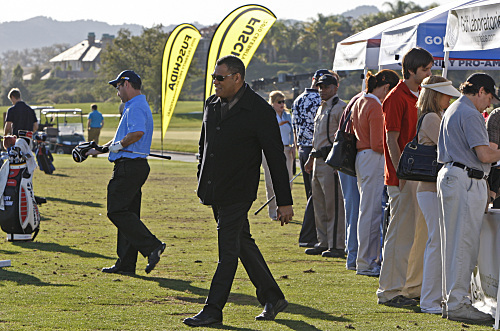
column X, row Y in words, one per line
column 399, row 301
column 373, row 272
column 468, row 313
column 315, row 250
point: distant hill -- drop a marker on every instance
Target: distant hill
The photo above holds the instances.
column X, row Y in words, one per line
column 360, row 10
column 43, row 31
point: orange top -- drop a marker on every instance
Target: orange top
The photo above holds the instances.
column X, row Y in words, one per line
column 368, row 123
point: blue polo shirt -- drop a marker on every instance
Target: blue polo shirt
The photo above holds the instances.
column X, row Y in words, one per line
column 136, row 116
column 95, row 118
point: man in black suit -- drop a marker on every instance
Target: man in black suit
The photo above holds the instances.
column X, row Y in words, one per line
column 237, row 126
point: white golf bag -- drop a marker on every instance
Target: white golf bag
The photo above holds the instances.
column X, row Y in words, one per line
column 19, row 215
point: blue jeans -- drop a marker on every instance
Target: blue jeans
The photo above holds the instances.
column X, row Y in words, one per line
column 350, row 192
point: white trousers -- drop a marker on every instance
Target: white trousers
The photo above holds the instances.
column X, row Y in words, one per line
column 404, row 245
column 432, row 289
column 272, row 207
column 370, row 175
column 461, row 202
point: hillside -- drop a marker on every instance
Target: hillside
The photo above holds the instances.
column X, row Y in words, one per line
column 42, row 31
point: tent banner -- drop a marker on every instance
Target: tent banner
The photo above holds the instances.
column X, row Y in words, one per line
column 473, row 28
column 177, row 56
column 239, row 34
column 350, row 56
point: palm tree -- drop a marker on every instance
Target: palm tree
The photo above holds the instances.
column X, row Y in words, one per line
column 400, row 8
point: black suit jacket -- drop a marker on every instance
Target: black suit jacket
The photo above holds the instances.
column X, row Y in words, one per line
column 231, row 152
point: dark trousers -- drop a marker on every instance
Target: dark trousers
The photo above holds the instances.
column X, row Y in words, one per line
column 124, row 209
column 235, row 241
column 308, row 231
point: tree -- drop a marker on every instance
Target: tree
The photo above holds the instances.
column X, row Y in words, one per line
column 143, row 54
column 17, row 73
column 323, row 31
column 400, row 8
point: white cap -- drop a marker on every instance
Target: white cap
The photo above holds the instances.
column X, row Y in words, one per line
column 443, row 87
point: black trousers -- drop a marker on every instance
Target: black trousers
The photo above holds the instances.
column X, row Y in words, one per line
column 235, row 241
column 124, row 209
column 308, row 230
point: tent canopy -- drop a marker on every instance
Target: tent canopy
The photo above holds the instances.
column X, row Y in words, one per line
column 360, row 51
column 428, row 31
column 474, row 27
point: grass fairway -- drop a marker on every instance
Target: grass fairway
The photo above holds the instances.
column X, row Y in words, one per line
column 182, row 134
column 55, row 283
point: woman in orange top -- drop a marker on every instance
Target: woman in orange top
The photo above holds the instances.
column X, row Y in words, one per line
column 368, row 125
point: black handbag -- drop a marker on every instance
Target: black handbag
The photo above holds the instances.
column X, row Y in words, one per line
column 342, row 156
column 418, row 162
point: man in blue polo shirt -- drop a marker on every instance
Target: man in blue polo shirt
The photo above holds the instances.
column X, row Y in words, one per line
column 133, row 136
column 94, row 124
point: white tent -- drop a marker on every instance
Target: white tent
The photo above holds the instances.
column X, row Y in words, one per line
column 360, row 51
column 475, row 29
column 427, row 31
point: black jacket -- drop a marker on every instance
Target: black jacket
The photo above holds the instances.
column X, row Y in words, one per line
column 231, row 152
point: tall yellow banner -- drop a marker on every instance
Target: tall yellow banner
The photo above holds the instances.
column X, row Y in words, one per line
column 177, row 56
column 239, row 34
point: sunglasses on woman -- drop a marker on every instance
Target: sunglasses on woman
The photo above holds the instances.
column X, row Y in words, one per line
column 280, row 102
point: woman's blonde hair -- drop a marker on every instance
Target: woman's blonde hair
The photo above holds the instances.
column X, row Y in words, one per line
column 275, row 96
column 428, row 100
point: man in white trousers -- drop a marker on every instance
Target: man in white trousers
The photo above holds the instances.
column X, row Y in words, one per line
column 463, row 147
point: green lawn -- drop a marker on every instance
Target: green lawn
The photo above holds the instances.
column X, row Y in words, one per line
column 182, row 134
column 55, row 283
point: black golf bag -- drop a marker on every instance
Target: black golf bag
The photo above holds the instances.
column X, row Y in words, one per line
column 20, row 217
column 43, row 155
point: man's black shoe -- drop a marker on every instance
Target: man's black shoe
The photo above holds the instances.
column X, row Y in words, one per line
column 270, row 311
column 315, row 250
column 202, row 319
column 307, row 244
column 117, row 270
column 154, row 257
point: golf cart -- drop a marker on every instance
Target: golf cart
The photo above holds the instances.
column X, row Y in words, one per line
column 63, row 127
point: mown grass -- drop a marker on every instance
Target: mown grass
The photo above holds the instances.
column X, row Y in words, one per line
column 182, row 134
column 55, row 282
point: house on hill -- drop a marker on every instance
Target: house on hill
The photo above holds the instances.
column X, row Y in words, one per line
column 81, row 60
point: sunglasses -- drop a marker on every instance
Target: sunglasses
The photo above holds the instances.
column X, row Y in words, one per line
column 280, row 102
column 221, row 78
column 119, row 85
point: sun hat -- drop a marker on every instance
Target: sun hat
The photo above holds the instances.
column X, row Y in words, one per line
column 443, row 87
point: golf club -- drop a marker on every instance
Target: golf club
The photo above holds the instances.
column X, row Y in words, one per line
column 274, row 196
column 166, row 157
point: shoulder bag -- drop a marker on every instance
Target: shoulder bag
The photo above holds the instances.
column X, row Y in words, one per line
column 418, row 162
column 342, row 156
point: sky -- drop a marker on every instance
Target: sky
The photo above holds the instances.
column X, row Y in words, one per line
column 166, row 12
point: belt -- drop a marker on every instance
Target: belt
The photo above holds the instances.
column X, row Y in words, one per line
column 471, row 172
column 123, row 159
column 287, row 145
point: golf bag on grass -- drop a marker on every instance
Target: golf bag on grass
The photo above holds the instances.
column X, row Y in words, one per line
column 43, row 155
column 19, row 215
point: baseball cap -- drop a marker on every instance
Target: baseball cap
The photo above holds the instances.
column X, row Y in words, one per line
column 321, row 72
column 327, row 80
column 129, row 75
column 484, row 80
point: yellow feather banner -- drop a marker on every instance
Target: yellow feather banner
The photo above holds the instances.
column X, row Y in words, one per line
column 177, row 56
column 239, row 34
